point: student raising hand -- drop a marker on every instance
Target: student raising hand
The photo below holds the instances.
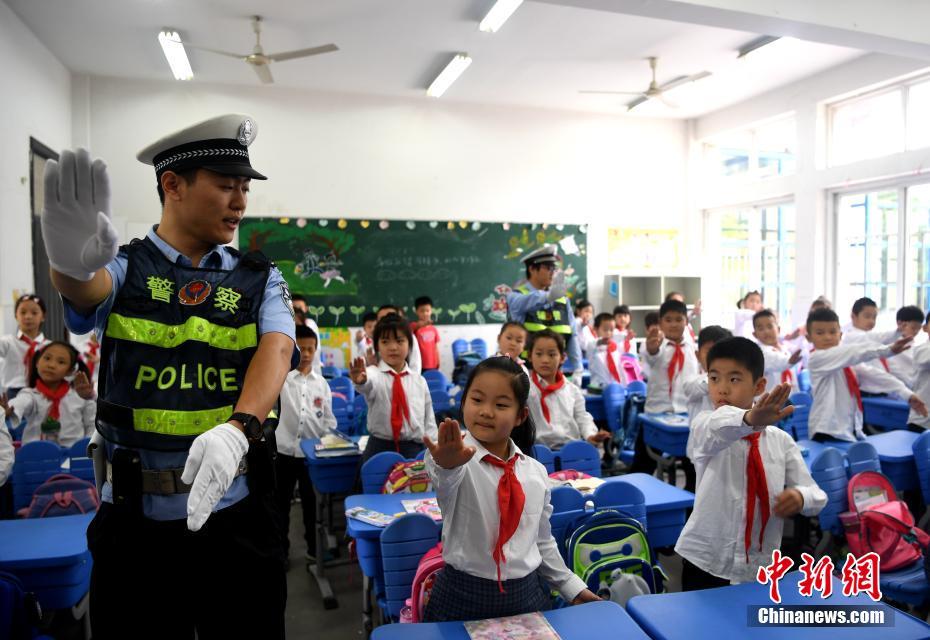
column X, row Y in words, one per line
column 357, row 371
column 654, row 338
column 770, row 408
column 901, row 344
column 451, row 451
column 82, row 386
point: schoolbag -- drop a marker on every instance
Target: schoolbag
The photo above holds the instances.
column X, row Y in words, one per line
column 429, row 567
column 879, row 522
column 62, row 495
column 408, row 477
column 635, row 404
column 602, row 541
column 631, row 368
column 19, row 609
column 463, row 367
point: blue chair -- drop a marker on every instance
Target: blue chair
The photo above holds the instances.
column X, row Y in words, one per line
column 544, row 455
column 457, row 398
column 614, row 396
column 623, row 496
column 862, row 456
column 343, row 385
column 636, row 386
column 921, row 448
column 80, row 465
column 403, row 543
column 376, row 469
column 804, row 381
column 797, row 421
column 829, row 472
column 441, row 400
column 35, row 463
column 479, row 346
column 359, row 415
column 330, row 372
column 436, row 379
column 343, row 416
column 908, row 585
column 581, row 456
column 567, row 504
column 421, row 455
column 459, row 347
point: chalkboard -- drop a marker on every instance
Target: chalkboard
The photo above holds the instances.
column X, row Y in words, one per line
column 348, row 267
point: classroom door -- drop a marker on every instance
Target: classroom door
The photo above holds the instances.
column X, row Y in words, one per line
column 54, row 329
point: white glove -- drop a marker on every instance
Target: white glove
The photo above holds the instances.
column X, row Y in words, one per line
column 557, row 289
column 211, row 467
column 79, row 238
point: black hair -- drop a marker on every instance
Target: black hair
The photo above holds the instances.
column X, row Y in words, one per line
column 29, row 297
column 187, row 175
column 651, row 319
column 510, row 323
column 765, row 313
column 392, row 326
column 928, row 318
column 671, row 295
column 546, row 333
column 371, row 316
column 582, row 303
column 909, row 313
column 713, row 334
column 862, row 303
column 304, row 332
column 673, row 306
column 76, row 361
column 524, row 434
column 602, row 317
column 538, row 265
column 422, row 300
column 296, row 297
column 621, row 309
column 743, row 351
column 389, row 306
column 821, row 302
column 821, row 315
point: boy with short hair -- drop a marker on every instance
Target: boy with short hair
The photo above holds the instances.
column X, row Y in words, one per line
column 695, row 386
column 670, row 359
column 364, row 345
column 921, row 358
column 779, row 362
column 910, row 319
column 728, row 537
column 650, row 320
column 306, row 412
column 604, row 360
column 839, row 371
column 426, row 333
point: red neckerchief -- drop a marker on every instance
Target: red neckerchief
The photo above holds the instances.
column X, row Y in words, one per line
column 399, row 407
column 678, row 360
column 884, row 362
column 852, row 383
column 30, row 352
column 54, row 395
column 611, row 365
column 510, row 501
column 756, row 488
column 548, row 390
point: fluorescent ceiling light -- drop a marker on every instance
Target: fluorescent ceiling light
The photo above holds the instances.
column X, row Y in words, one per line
column 177, row 57
column 498, row 15
column 766, row 41
column 450, row 74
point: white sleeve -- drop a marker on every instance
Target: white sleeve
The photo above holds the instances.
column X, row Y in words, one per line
column 429, row 417
column 694, row 387
column 798, row 477
column 714, row 431
column 445, row 481
column 7, row 455
column 329, row 419
column 921, row 354
column 775, row 361
column 5, row 343
column 875, row 380
column 23, row 405
column 552, row 568
column 583, row 419
column 367, row 389
column 89, row 414
column 845, row 355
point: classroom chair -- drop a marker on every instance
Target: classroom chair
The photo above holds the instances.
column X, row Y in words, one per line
column 436, row 379
column 376, row 469
column 343, row 417
column 636, row 386
column 343, row 385
column 403, row 544
column 479, row 346
column 80, row 465
column 441, row 400
column 544, row 456
column 804, row 381
column 797, row 421
column 622, row 496
column 330, row 372
column 921, row 448
column 829, row 472
column 580, row 456
column 421, row 455
column 35, row 463
column 862, row 456
column 567, row 504
column 614, row 396
column 459, row 347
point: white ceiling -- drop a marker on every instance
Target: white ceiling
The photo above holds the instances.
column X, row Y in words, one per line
column 543, row 55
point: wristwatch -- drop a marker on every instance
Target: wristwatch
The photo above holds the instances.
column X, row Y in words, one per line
column 252, row 426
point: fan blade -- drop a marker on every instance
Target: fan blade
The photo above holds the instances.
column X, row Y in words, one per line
column 303, row 53
column 263, row 73
column 612, row 93
column 677, row 82
column 222, row 53
column 632, row 105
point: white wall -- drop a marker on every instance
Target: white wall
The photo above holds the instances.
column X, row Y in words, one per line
column 36, row 103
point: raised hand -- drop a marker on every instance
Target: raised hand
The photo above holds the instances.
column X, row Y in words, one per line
column 654, row 338
column 901, row 344
column 357, row 371
column 917, row 405
column 788, row 503
column 82, row 386
column 451, row 451
column 770, row 408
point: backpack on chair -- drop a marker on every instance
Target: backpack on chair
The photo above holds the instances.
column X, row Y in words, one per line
column 430, row 565
column 19, row 609
column 409, row 476
column 62, row 495
column 635, row 404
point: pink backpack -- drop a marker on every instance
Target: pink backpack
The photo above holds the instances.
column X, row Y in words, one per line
column 430, row 565
column 631, row 368
column 568, row 474
column 408, row 477
column 880, row 523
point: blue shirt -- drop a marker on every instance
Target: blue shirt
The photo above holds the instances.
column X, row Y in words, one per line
column 275, row 316
column 519, row 304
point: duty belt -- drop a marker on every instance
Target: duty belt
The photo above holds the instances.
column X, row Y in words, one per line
column 166, row 482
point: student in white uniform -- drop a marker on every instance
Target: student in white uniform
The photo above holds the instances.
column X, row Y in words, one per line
column 921, row 358
column 55, row 409
column 400, row 409
column 302, row 318
column 585, row 331
column 7, row 456
column 413, row 354
column 306, row 412
column 695, row 386
column 909, row 320
column 838, row 372
column 557, row 406
column 364, row 345
column 604, row 356
column 500, row 556
column 17, row 350
column 747, row 307
column 650, row 320
column 623, row 331
column 511, row 342
column 779, row 361
column 758, row 478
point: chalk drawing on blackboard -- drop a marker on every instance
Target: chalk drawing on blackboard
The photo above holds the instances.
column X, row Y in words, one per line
column 495, row 305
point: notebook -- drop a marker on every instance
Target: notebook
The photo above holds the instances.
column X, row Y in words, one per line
column 529, row 626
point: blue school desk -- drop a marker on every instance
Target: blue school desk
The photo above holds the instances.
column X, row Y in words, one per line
column 897, row 457
column 885, row 413
column 723, row 613
column 50, row 556
column 666, row 507
column 329, row 476
column 581, row 622
column 594, row 404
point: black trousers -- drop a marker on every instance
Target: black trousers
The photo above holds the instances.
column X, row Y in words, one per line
column 408, row 448
column 155, row 579
column 291, row 471
column 693, row 578
column 822, row 437
column 643, row 463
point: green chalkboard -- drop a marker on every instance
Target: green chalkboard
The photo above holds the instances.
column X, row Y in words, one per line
column 347, row 267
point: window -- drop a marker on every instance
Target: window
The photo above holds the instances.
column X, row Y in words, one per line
column 763, row 151
column 917, row 263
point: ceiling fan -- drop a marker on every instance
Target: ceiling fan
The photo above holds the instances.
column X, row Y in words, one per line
column 259, row 60
column 655, row 90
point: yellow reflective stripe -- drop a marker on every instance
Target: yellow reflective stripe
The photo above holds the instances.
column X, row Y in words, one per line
column 158, row 334
column 561, row 328
column 533, row 326
column 179, row 423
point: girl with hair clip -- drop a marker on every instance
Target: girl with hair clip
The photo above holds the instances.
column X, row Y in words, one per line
column 17, row 350
column 500, row 556
column 54, row 408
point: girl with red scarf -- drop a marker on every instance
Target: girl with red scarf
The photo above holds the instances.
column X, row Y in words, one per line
column 54, row 408
column 18, row 350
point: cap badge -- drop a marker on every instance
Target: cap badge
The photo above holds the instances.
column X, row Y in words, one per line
column 245, row 132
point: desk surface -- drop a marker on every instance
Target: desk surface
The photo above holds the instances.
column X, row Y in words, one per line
column 582, row 622
column 389, row 503
column 659, row 495
column 307, row 446
column 894, row 446
column 723, row 613
column 43, row 542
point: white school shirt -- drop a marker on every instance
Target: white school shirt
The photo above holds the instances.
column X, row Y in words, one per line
column 378, row 389
column 76, row 415
column 7, row 455
column 896, row 366
column 834, row 411
column 467, row 496
column 519, row 361
column 12, row 351
column 742, row 323
column 776, row 362
column 363, row 345
column 311, row 324
column 921, row 359
column 587, row 338
column 713, row 537
column 695, row 390
column 306, row 411
column 600, row 371
column 658, row 399
column 569, row 420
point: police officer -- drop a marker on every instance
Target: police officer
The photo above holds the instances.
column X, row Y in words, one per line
column 196, row 342
column 541, row 303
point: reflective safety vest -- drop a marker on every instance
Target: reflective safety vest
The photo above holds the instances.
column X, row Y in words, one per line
column 555, row 316
column 177, row 344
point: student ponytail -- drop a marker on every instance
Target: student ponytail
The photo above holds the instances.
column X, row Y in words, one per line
column 524, row 434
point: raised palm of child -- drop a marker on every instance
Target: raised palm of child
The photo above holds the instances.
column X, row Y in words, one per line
column 901, row 344
column 654, row 338
column 357, row 371
column 770, row 408
column 450, row 452
column 82, row 386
